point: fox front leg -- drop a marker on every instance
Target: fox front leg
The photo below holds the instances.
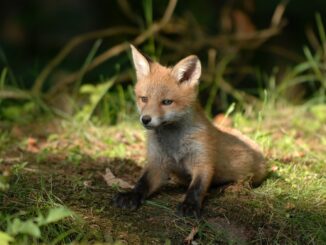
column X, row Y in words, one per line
column 191, row 206
column 149, row 182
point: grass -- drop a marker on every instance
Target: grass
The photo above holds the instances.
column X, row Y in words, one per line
column 61, row 167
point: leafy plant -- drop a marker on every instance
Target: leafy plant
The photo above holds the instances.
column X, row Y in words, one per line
column 19, row 229
column 311, row 71
column 95, row 95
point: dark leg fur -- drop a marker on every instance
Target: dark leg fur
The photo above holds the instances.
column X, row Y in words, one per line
column 192, row 204
column 134, row 198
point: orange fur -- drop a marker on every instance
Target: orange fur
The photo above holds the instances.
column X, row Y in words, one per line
column 182, row 141
column 226, row 156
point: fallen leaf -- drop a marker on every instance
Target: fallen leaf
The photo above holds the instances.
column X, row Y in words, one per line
column 31, row 141
column 188, row 240
column 242, row 186
column 274, row 168
column 110, row 179
column 289, row 206
column 299, row 154
column 32, row 145
column 87, row 183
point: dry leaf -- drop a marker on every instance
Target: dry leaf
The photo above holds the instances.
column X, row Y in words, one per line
column 188, row 240
column 87, row 183
column 110, row 179
column 274, row 168
column 32, row 145
column 289, row 206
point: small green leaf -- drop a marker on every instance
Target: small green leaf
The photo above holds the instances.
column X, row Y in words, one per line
column 3, row 183
column 30, row 228
column 57, row 214
column 319, row 111
column 40, row 220
column 87, row 89
column 5, row 238
column 12, row 112
column 24, row 227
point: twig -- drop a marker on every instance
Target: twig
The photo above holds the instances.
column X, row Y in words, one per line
column 312, row 38
column 229, row 89
column 259, row 36
column 240, row 40
column 70, row 46
column 278, row 13
column 128, row 12
column 284, row 52
column 116, row 50
column 14, row 94
column 191, row 236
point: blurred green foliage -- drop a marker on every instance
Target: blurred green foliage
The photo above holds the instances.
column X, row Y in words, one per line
column 289, row 66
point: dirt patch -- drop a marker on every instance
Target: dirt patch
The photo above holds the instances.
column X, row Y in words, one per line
column 83, row 189
column 70, row 170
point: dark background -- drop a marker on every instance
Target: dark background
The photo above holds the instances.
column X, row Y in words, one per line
column 32, row 32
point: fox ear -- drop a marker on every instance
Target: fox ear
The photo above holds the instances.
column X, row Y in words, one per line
column 188, row 70
column 141, row 63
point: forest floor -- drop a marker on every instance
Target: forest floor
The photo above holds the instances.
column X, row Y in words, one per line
column 52, row 162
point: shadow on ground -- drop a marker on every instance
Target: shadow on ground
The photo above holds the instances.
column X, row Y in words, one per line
column 232, row 217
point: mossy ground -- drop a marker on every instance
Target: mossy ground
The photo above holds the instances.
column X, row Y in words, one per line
column 60, row 162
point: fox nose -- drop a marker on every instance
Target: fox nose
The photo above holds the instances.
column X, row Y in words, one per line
column 146, row 119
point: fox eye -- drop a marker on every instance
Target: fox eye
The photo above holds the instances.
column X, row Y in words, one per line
column 144, row 99
column 167, row 102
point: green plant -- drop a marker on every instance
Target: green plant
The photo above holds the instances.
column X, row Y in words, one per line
column 95, row 95
column 220, row 70
column 20, row 230
column 74, row 155
column 88, row 60
column 4, row 139
column 311, row 71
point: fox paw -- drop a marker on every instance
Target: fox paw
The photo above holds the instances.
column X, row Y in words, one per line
column 189, row 209
column 128, row 200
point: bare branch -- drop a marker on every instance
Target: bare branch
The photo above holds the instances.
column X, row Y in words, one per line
column 70, row 46
column 278, row 13
column 117, row 49
column 128, row 11
column 14, row 94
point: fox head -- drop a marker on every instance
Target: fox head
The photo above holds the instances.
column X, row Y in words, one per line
column 165, row 95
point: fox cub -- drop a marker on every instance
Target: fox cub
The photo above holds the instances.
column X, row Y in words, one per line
column 181, row 140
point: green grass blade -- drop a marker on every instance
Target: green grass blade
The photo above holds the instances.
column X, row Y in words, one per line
column 218, row 77
column 313, row 62
column 88, row 60
column 321, row 29
column 3, row 77
column 104, row 89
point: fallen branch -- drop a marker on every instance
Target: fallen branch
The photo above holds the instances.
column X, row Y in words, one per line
column 278, row 13
column 180, row 47
column 229, row 89
column 128, row 11
column 117, row 49
column 248, row 40
column 14, row 94
column 70, row 46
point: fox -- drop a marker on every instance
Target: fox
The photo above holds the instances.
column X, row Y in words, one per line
column 181, row 140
